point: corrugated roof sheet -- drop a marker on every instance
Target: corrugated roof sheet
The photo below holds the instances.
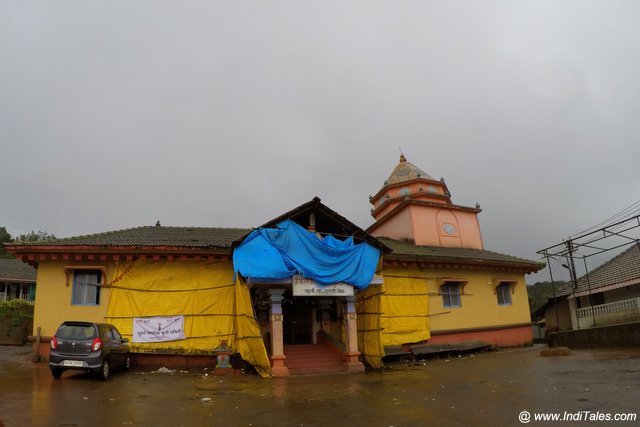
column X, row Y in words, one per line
column 12, row 269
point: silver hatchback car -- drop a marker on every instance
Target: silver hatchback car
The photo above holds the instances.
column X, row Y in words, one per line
column 90, row 347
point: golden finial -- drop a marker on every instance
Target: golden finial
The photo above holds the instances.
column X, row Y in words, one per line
column 403, row 159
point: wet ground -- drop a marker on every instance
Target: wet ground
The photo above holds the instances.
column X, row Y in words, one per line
column 489, row 389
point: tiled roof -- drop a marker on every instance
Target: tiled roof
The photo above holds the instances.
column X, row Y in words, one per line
column 624, row 267
column 13, row 269
column 207, row 237
column 195, row 237
column 606, row 288
column 463, row 255
column 562, row 289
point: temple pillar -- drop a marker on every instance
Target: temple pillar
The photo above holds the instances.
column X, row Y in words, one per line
column 352, row 355
column 277, row 357
column 325, row 307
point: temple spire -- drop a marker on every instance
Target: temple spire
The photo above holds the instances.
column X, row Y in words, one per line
column 403, row 159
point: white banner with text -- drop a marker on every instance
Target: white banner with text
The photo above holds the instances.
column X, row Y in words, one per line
column 158, row 329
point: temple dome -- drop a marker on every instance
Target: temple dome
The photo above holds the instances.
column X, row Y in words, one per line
column 406, row 171
column 412, row 205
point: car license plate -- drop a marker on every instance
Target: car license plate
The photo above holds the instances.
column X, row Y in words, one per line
column 75, row 363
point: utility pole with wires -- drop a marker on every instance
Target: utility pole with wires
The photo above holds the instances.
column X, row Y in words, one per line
column 571, row 265
column 609, row 236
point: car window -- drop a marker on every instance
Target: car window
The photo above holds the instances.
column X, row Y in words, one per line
column 109, row 334
column 79, row 332
column 116, row 334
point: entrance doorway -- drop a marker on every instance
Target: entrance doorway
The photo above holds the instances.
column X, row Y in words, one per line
column 297, row 321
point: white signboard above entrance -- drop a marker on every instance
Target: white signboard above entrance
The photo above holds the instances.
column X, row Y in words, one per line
column 308, row 288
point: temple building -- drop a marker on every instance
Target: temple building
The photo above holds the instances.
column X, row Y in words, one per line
column 465, row 293
column 412, row 206
column 306, row 292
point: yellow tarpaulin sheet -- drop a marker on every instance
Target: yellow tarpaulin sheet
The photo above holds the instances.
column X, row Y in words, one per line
column 368, row 309
column 214, row 308
column 249, row 342
column 404, row 304
column 393, row 313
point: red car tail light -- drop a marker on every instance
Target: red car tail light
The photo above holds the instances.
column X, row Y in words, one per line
column 96, row 344
column 53, row 343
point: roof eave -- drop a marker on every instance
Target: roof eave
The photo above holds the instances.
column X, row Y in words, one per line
column 526, row 267
column 387, row 187
column 52, row 249
column 16, row 280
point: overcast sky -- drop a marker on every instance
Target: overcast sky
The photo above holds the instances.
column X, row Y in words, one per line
column 229, row 113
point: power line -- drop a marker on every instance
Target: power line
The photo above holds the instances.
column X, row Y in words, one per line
column 15, row 227
column 613, row 218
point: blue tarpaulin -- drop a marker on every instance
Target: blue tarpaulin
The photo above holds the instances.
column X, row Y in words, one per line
column 288, row 249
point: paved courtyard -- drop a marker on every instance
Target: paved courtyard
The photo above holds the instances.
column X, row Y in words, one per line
column 491, row 389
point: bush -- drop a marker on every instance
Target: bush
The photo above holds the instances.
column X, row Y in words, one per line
column 16, row 308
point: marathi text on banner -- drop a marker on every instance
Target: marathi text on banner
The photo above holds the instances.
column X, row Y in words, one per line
column 303, row 287
column 158, row 329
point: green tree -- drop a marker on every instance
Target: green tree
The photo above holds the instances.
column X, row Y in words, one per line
column 34, row 236
column 540, row 292
column 5, row 237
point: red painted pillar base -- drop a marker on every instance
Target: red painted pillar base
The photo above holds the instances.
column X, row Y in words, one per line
column 277, row 366
column 352, row 362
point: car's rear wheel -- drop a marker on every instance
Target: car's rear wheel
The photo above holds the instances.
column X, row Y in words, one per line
column 104, row 370
column 56, row 373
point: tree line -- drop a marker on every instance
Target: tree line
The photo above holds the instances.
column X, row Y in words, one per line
column 540, row 292
column 33, row 236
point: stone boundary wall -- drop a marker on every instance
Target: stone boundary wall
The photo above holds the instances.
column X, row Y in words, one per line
column 626, row 335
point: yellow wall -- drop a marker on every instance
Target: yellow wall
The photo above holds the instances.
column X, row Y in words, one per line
column 479, row 304
column 479, row 309
column 53, row 296
column 214, row 307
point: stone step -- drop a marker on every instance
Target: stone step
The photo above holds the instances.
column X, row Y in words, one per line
column 315, row 370
column 305, row 347
column 317, row 362
column 312, row 359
